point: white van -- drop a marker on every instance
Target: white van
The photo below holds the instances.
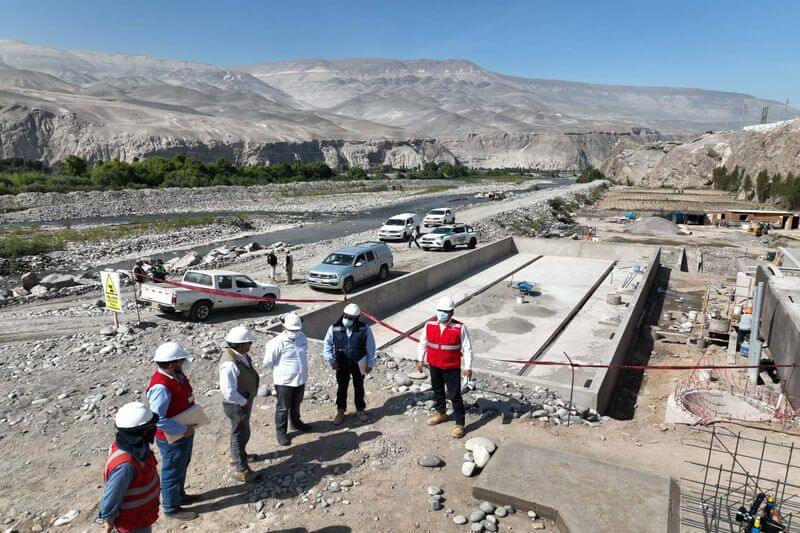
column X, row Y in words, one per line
column 399, row 227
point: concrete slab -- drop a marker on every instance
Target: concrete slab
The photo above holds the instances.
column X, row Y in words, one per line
column 578, row 492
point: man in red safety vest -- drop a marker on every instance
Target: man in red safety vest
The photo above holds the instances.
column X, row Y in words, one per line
column 130, row 498
column 446, row 343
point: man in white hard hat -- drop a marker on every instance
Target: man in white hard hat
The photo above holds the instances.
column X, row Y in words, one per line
column 130, row 497
column 350, row 350
column 286, row 356
column 238, row 383
column 169, row 394
column 446, row 343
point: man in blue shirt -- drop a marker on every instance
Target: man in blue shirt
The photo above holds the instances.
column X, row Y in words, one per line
column 347, row 343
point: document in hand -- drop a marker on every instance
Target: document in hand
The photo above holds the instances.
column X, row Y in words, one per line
column 195, row 415
column 362, row 365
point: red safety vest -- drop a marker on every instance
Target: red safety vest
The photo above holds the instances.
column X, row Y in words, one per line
column 181, row 395
column 444, row 347
column 139, row 507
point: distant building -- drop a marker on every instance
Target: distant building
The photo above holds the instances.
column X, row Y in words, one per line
column 777, row 218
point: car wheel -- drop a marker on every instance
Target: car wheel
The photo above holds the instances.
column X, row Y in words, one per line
column 348, row 285
column 383, row 273
column 201, row 310
column 473, row 243
column 267, row 306
column 448, row 245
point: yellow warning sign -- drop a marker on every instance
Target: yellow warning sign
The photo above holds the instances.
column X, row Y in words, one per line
column 111, row 292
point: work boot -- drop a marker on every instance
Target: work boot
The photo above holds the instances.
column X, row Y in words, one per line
column 247, row 476
column 283, row 440
column 190, row 498
column 339, row 418
column 362, row 416
column 457, row 432
column 301, row 426
column 251, row 457
column 182, row 514
column 438, row 418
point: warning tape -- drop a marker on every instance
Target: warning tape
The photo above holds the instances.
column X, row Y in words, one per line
column 388, row 326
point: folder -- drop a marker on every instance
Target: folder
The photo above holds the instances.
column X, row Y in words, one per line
column 195, row 415
column 362, row 365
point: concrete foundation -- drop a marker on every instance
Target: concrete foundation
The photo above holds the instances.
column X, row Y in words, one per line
column 577, row 492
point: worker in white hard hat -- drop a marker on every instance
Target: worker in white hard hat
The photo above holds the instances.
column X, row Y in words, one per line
column 238, row 383
column 446, row 344
column 130, row 496
column 286, row 356
column 350, row 350
column 169, row 394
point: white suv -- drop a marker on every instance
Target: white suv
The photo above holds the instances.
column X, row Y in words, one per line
column 438, row 217
column 399, row 227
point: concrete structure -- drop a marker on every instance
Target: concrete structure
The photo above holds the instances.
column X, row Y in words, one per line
column 579, row 493
column 778, row 218
column 572, row 313
column 780, row 323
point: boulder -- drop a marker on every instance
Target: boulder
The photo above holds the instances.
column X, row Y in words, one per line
column 19, row 292
column 38, row 290
column 188, row 260
column 473, row 443
column 481, row 456
column 252, row 247
column 58, row 281
column 29, row 280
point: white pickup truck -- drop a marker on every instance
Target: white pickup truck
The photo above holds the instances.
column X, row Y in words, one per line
column 449, row 236
column 197, row 305
column 438, row 217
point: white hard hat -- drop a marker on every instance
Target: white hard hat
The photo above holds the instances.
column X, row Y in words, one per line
column 170, row 351
column 240, row 335
column 292, row 322
column 446, row 304
column 352, row 310
column 132, row 415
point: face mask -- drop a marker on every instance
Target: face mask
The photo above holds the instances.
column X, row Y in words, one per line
column 291, row 335
column 184, row 367
column 443, row 316
column 149, row 435
column 348, row 322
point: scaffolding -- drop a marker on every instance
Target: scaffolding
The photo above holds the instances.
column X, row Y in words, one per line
column 737, row 479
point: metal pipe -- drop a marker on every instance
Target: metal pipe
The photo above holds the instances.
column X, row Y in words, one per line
column 754, row 355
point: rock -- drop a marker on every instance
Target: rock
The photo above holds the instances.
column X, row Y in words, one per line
column 334, row 487
column 460, row 519
column 417, row 375
column 435, row 504
column 39, row 290
column 19, row 292
column 347, row 483
column 29, row 280
column 190, row 259
column 430, row 461
column 532, row 514
column 264, row 390
column 58, row 281
column 487, row 507
column 252, row 247
column 39, row 401
column 474, row 442
column 434, row 490
column 259, row 506
column 402, row 380
column 122, row 391
column 100, row 303
column 36, row 528
column 477, row 516
column 538, row 524
column 108, row 331
column 500, row 512
column 510, row 509
column 67, row 518
column 468, row 468
column 477, row 527
column 482, row 456
column 488, row 525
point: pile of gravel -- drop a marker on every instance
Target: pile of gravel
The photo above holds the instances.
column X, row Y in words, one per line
column 654, row 226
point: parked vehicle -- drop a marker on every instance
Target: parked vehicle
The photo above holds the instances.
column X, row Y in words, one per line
column 399, row 227
column 349, row 266
column 198, row 305
column 439, row 217
column 450, row 236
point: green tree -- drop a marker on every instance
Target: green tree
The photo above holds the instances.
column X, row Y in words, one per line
column 357, row 173
column 762, row 186
column 747, row 184
column 75, row 166
column 590, row 175
column 776, row 188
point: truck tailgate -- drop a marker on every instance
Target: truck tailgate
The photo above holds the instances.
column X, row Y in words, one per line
column 161, row 294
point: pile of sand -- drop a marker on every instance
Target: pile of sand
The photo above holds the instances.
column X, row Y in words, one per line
column 654, row 226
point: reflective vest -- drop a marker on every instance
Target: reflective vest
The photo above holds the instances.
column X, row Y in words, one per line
column 180, row 393
column 139, row 508
column 352, row 348
column 443, row 347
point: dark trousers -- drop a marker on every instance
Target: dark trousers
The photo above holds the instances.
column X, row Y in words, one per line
column 240, row 432
column 344, row 371
column 450, row 379
column 175, row 460
column 288, row 408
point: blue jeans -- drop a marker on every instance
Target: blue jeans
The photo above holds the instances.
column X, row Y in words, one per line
column 175, row 460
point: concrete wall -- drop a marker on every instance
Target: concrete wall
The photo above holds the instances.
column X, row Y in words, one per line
column 587, row 249
column 404, row 291
column 781, row 330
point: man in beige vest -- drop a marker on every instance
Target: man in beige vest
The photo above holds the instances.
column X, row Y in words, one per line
column 238, row 383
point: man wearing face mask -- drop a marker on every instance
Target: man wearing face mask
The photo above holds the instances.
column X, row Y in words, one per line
column 347, row 342
column 169, row 394
column 238, row 383
column 286, row 356
column 446, row 343
column 130, row 496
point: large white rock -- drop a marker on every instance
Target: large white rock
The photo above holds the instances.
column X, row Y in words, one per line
column 481, row 456
column 468, row 468
column 38, row 290
column 58, row 281
column 475, row 442
column 190, row 259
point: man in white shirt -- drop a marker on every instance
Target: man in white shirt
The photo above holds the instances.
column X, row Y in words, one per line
column 238, row 383
column 446, row 343
column 286, row 356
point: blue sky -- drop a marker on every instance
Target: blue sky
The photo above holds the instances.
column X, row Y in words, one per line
column 736, row 45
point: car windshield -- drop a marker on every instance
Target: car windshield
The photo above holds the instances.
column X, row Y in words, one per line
column 338, row 259
column 395, row 222
column 442, row 230
column 437, row 212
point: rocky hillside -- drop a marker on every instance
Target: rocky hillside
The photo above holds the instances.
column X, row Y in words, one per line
column 367, row 112
column 690, row 164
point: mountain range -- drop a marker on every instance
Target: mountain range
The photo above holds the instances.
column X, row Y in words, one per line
column 364, row 111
